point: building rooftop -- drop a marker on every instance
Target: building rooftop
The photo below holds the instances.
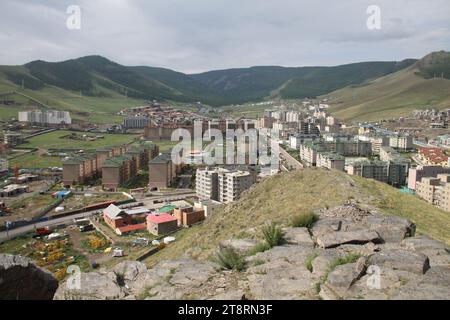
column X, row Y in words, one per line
column 162, row 158
column 332, row 156
column 117, row 161
column 160, row 218
column 113, row 211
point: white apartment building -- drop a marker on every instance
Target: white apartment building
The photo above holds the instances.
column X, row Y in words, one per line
column 401, row 142
column 296, row 140
column 207, row 184
column 45, row 117
column 232, row 184
column 221, row 184
column 292, row 116
column 135, row 122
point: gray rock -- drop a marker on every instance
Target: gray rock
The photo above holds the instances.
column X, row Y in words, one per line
column 130, row 269
column 390, row 228
column 295, row 282
column 298, row 236
column 434, row 285
column 343, row 276
column 92, row 286
column 229, row 295
column 437, row 252
column 334, row 239
column 21, row 279
column 241, row 246
column 401, row 260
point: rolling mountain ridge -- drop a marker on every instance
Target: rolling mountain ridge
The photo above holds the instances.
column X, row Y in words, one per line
column 424, row 84
column 99, row 77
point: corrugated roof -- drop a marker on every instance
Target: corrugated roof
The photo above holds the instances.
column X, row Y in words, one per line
column 167, row 208
column 161, row 218
column 112, row 211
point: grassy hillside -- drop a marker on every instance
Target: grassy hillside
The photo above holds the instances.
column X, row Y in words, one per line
column 281, row 197
column 57, row 84
column 396, row 94
column 255, row 83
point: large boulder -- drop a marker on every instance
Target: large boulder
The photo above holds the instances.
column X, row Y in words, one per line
column 390, row 228
column 434, row 285
column 437, row 252
column 241, row 246
column 21, row 279
column 399, row 259
column 299, row 236
column 91, row 286
column 334, row 239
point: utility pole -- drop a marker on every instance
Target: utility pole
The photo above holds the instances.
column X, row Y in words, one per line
column 23, row 84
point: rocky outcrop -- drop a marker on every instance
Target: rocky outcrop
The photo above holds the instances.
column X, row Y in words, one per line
column 21, row 279
column 350, row 253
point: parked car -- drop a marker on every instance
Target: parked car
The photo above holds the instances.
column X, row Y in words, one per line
column 86, row 228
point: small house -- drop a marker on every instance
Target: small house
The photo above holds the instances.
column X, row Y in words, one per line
column 161, row 223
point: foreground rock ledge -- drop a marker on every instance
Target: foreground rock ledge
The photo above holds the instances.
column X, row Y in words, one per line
column 348, row 254
column 21, row 279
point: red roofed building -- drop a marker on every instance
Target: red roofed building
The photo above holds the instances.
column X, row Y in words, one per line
column 131, row 228
column 433, row 156
column 161, row 224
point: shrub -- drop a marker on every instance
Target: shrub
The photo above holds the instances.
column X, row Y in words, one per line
column 305, row 220
column 228, row 258
column 273, row 235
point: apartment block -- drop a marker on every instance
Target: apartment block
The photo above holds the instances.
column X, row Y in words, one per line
column 424, row 171
column 309, row 151
column 45, row 117
column 118, row 170
column 330, row 161
column 161, row 172
column 135, row 122
column 373, row 170
column 388, row 172
column 308, row 154
column 221, row 184
column 233, row 183
column 401, row 142
column 378, row 142
column 80, row 168
column 435, row 190
column 295, row 141
column 207, row 183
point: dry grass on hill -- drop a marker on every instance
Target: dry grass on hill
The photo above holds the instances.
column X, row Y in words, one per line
column 284, row 196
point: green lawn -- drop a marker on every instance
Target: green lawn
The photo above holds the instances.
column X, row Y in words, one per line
column 33, row 160
column 55, row 140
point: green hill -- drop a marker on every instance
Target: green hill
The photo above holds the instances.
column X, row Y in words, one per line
column 419, row 86
column 256, row 83
column 271, row 200
column 98, row 77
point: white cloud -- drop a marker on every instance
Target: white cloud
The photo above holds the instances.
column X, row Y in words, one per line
column 197, row 35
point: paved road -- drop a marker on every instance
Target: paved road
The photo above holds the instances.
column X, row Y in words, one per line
column 176, row 195
column 290, row 160
column 28, row 228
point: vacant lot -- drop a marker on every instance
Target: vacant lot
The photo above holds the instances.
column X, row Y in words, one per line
column 60, row 140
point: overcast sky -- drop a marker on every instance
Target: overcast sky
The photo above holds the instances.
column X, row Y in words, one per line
column 199, row 35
